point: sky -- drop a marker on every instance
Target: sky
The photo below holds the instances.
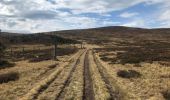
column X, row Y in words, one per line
column 28, row 16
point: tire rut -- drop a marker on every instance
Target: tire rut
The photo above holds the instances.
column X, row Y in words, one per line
column 114, row 93
column 37, row 90
column 88, row 92
column 68, row 80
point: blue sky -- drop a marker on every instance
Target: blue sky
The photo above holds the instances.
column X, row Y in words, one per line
column 54, row 15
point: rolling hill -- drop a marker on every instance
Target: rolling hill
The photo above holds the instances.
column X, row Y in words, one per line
column 93, row 35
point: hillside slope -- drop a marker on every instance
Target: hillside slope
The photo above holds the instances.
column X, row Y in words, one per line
column 94, row 35
column 114, row 32
column 14, row 38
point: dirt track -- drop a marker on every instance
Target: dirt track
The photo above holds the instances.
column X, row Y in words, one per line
column 88, row 85
column 75, row 80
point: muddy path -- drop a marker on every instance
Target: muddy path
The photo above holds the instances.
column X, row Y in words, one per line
column 88, row 93
column 60, row 95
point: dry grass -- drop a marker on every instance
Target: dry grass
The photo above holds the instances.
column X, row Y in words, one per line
column 154, row 80
column 42, row 85
column 150, row 58
column 100, row 90
column 37, row 53
column 27, row 47
column 75, row 89
column 55, row 87
column 30, row 74
column 117, row 89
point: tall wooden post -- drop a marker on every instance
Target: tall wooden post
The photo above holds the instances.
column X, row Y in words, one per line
column 11, row 51
column 55, row 48
column 23, row 51
column 82, row 45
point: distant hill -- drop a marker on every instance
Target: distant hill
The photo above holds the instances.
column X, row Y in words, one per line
column 15, row 38
column 112, row 32
column 94, row 34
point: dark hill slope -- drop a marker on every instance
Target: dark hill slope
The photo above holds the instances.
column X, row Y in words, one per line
column 114, row 32
column 106, row 34
column 13, row 38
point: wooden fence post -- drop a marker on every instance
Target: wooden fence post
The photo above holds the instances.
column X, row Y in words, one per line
column 55, row 48
column 23, row 51
column 11, row 51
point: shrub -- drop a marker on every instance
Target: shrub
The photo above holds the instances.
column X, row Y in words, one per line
column 40, row 58
column 166, row 94
column 2, row 48
column 106, row 59
column 5, row 64
column 166, row 64
column 128, row 74
column 137, row 65
column 52, row 66
column 11, row 76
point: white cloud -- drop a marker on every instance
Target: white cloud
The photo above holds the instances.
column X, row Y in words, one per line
column 164, row 18
column 47, row 15
column 136, row 23
column 96, row 6
column 128, row 15
column 165, row 15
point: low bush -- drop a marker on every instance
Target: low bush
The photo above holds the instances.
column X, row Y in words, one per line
column 128, row 74
column 10, row 76
column 140, row 51
column 166, row 64
column 6, row 64
column 165, row 76
column 52, row 66
column 40, row 58
column 106, row 59
column 137, row 65
column 166, row 94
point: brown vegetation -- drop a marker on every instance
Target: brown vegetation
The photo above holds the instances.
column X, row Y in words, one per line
column 53, row 66
column 6, row 64
column 140, row 51
column 166, row 94
column 134, row 64
column 128, row 74
column 10, row 76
